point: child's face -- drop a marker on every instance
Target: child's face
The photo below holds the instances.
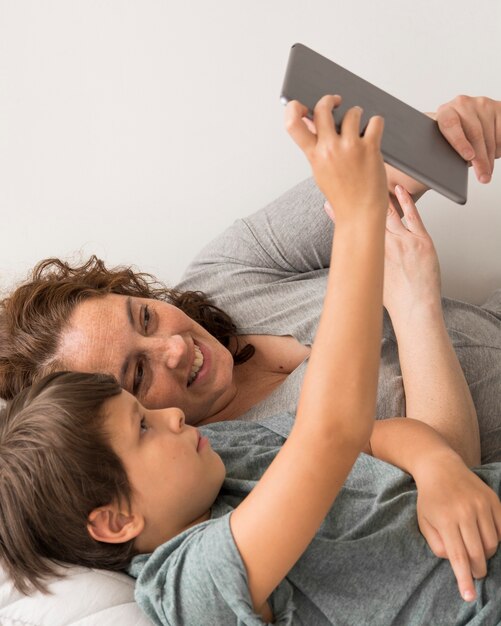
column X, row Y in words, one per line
column 175, row 475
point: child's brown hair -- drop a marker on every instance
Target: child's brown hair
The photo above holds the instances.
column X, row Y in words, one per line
column 56, row 466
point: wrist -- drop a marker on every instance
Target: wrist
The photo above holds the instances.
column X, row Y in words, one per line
column 428, row 466
column 422, row 313
column 362, row 223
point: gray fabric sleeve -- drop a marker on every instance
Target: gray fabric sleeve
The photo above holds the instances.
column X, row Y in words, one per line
column 268, row 271
column 204, row 581
column 289, row 236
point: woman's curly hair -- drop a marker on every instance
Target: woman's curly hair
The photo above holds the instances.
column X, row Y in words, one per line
column 33, row 316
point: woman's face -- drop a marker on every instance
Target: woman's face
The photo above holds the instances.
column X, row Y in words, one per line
column 155, row 351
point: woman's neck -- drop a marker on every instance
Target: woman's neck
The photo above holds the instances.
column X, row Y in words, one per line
column 274, row 359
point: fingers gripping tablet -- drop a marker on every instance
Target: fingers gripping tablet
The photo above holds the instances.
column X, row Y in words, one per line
column 412, row 142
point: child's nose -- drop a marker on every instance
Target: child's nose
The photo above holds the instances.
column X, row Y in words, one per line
column 176, row 419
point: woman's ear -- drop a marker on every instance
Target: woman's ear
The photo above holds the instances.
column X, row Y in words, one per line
column 110, row 525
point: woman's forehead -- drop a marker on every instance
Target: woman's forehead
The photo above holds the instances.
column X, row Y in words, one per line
column 96, row 335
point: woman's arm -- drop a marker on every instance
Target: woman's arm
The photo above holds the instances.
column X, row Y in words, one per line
column 435, row 387
column 458, row 514
column 273, row 526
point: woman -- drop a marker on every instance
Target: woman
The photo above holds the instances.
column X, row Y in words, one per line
column 268, row 273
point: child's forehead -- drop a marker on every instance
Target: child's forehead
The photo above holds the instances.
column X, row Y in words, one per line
column 123, row 402
column 119, row 414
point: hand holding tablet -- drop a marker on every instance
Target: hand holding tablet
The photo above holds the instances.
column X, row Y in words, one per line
column 412, row 142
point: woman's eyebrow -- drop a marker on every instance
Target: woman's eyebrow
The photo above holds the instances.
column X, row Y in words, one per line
column 128, row 308
column 125, row 366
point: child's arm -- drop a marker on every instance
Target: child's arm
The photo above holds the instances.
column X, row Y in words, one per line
column 273, row 526
column 458, row 514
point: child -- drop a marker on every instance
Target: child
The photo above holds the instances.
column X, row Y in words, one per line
column 91, row 477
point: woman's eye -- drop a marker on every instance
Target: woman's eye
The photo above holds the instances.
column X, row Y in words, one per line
column 143, row 426
column 138, row 377
column 146, row 318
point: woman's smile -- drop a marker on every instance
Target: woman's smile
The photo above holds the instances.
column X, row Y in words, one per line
column 197, row 364
column 201, row 364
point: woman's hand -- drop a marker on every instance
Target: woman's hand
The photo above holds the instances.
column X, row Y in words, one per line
column 472, row 125
column 348, row 168
column 460, row 518
column 411, row 271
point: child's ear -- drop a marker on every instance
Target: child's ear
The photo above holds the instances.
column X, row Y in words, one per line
column 110, row 525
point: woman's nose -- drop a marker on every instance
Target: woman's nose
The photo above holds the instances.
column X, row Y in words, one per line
column 172, row 350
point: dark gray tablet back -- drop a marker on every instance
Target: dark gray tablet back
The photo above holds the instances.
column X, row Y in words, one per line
column 412, row 142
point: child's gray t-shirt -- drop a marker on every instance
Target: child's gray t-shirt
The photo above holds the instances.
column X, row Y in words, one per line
column 368, row 563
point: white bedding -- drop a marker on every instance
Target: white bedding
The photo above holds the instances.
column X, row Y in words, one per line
column 83, row 598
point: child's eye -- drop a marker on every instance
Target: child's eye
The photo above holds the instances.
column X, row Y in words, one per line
column 143, row 427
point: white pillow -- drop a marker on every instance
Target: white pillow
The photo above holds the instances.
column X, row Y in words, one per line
column 84, row 597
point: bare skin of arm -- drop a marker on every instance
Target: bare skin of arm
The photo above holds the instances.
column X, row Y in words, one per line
column 332, row 435
column 436, row 390
column 435, row 387
column 272, row 527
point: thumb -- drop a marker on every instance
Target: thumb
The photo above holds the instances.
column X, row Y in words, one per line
column 394, row 223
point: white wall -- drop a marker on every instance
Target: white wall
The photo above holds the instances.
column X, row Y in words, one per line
column 138, row 129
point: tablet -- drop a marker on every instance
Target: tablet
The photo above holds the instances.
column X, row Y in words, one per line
column 411, row 142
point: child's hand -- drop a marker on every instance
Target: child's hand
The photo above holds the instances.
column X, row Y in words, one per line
column 411, row 269
column 348, row 168
column 460, row 518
